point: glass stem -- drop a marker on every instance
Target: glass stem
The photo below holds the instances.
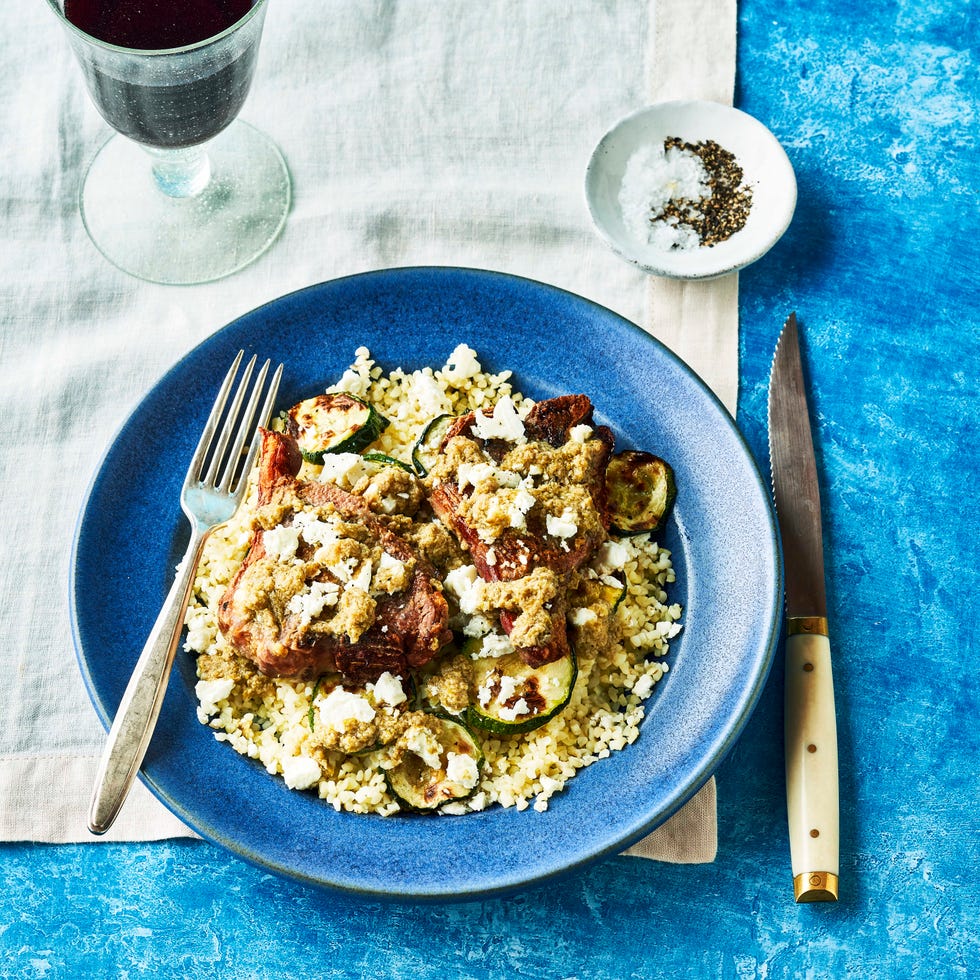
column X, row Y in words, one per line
column 181, row 173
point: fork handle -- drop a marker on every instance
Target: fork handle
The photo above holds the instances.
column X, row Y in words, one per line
column 139, row 709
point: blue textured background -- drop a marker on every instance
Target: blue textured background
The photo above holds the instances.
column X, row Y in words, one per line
column 876, row 105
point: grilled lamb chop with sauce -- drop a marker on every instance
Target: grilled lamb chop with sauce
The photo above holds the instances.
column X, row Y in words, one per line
column 272, row 611
column 564, row 469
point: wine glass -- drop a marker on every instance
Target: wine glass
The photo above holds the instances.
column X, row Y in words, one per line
column 184, row 193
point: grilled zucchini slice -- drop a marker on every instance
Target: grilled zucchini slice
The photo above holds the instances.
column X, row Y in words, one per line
column 333, row 423
column 512, row 697
column 640, row 490
column 427, row 447
column 418, row 783
column 614, row 594
column 382, row 459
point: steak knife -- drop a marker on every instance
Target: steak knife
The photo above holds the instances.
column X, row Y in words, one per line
column 810, row 721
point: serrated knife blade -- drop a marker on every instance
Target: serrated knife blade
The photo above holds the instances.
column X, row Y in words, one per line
column 810, row 725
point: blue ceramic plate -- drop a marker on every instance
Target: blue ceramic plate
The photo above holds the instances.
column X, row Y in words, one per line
column 723, row 540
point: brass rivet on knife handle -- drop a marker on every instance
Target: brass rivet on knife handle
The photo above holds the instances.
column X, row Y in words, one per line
column 813, row 625
column 815, row 886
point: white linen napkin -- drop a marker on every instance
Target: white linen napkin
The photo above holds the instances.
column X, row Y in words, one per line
column 692, row 50
column 416, row 133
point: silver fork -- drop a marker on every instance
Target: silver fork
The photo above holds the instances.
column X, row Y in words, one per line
column 213, row 489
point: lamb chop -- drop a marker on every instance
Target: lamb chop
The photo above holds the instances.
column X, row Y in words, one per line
column 515, row 552
column 265, row 612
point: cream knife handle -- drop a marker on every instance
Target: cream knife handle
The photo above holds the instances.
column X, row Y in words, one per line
column 811, row 762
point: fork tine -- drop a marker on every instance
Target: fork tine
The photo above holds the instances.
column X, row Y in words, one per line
column 246, row 430
column 197, row 460
column 218, row 452
column 263, row 420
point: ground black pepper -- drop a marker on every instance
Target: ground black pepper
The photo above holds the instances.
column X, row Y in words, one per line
column 718, row 216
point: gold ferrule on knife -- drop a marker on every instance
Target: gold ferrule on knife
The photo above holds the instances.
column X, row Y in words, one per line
column 815, row 886
column 810, row 625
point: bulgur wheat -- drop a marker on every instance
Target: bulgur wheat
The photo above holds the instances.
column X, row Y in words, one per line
column 339, row 739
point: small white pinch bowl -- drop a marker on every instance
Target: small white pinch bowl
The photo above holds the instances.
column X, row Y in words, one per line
column 767, row 172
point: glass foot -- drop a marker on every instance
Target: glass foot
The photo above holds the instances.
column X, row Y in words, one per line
column 184, row 240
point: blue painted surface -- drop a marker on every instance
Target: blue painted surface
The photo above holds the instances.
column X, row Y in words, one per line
column 877, row 107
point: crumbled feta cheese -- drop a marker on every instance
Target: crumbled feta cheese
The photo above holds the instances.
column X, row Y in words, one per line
column 461, row 365
column 338, row 466
column 389, row 563
column 505, row 423
column 313, row 530
column 520, row 707
column 343, row 570
column 388, row 689
column 209, row 693
column 388, row 504
column 494, row 645
column 281, row 542
column 581, row 617
column 426, row 746
column 312, row 601
column 340, row 706
column 610, row 556
column 469, row 603
column 563, row 526
column 353, row 574
column 361, row 579
column 643, row 686
column 462, row 769
column 391, row 575
column 432, row 399
column 465, row 583
column 477, row 625
column 507, row 688
column 300, row 772
column 523, row 502
column 580, row 433
column 460, row 580
column 473, row 474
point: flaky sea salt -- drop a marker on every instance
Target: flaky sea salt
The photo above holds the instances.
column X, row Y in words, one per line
column 654, row 178
column 679, row 196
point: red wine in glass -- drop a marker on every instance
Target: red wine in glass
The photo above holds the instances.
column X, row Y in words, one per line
column 183, row 111
column 162, row 200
